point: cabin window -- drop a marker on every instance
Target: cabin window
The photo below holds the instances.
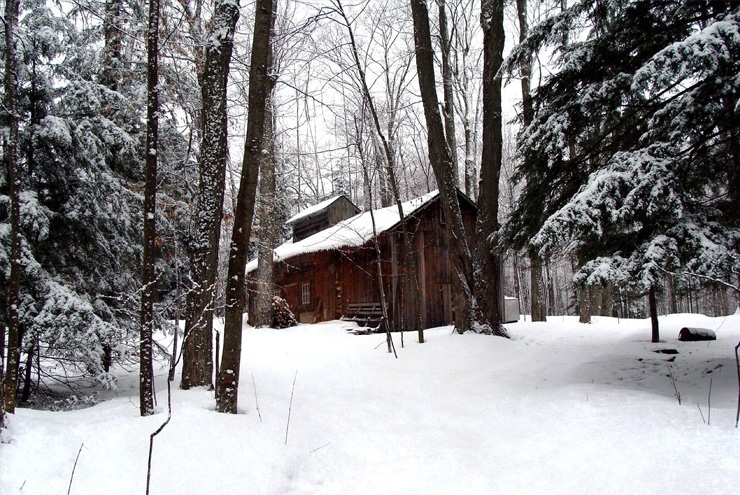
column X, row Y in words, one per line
column 305, row 293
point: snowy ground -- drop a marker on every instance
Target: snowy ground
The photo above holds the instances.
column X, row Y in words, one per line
column 561, row 408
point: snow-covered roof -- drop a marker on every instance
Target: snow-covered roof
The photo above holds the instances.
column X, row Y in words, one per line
column 354, row 231
column 313, row 209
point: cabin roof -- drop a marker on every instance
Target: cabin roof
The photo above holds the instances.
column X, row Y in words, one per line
column 354, row 231
column 312, row 210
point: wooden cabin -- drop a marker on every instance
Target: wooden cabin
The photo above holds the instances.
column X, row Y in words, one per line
column 322, row 274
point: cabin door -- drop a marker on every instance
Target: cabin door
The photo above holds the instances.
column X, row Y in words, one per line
column 292, row 297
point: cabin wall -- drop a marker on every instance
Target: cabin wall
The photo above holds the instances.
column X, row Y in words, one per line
column 341, row 209
column 358, row 277
column 435, row 272
column 349, row 275
column 318, row 271
column 311, row 225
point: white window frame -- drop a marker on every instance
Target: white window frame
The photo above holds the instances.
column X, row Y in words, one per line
column 306, row 293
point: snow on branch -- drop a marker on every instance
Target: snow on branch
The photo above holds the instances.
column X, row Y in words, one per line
column 697, row 57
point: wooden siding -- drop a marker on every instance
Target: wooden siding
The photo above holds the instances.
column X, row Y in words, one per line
column 308, row 226
column 341, row 209
column 350, row 275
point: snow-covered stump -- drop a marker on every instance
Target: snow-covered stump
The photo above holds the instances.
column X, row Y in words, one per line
column 687, row 334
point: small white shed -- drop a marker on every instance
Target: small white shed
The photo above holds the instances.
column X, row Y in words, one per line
column 511, row 309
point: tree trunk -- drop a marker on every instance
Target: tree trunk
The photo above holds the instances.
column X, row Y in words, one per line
column 488, row 262
column 108, row 356
column 539, row 295
column 387, row 322
column 449, row 109
column 267, row 213
column 148, row 279
column 471, row 173
column 583, row 294
column 526, row 67
column 444, row 171
column 584, row 305
column 112, row 53
column 652, row 302
column 10, row 382
column 562, row 302
column 672, row 301
column 227, row 385
column 197, row 367
column 26, row 394
column 517, row 280
column 2, row 381
column 607, row 300
column 268, row 235
column 539, row 302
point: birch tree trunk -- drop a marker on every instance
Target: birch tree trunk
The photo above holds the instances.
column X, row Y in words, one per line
column 197, row 367
column 227, row 384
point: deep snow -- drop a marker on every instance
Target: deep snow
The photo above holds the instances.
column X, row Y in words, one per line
column 561, row 408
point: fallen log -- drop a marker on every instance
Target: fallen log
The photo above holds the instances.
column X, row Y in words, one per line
column 688, row 334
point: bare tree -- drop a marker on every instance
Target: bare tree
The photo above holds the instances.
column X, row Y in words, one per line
column 447, row 83
column 390, row 161
column 488, row 262
column 267, row 239
column 465, row 56
column 197, row 367
column 227, row 384
column 444, row 170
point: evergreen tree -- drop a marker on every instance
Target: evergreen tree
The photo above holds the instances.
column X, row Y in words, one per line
column 80, row 200
column 632, row 161
column 9, row 387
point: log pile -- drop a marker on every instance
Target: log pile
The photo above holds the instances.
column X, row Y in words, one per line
column 282, row 316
